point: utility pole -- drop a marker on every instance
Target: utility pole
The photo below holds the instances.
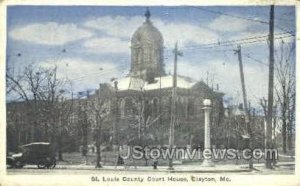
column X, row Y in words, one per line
column 116, row 109
column 173, row 105
column 247, row 133
column 271, row 85
column 239, row 52
column 98, row 130
column 160, row 104
column 85, row 128
column 59, row 138
column 207, row 78
column 115, row 139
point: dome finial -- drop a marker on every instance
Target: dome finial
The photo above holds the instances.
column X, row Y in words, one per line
column 147, row 14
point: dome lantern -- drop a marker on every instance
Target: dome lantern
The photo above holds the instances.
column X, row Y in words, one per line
column 147, row 14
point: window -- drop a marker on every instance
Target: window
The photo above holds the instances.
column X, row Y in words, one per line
column 122, row 107
column 191, row 107
column 155, row 107
column 129, row 107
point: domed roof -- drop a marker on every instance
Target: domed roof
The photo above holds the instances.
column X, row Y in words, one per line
column 147, row 34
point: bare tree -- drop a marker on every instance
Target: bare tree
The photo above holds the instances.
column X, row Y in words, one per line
column 143, row 117
column 263, row 103
column 99, row 109
column 42, row 93
column 83, row 122
column 144, row 120
column 285, row 89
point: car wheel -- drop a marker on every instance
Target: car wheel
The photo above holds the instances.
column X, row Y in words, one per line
column 41, row 164
column 18, row 164
column 52, row 166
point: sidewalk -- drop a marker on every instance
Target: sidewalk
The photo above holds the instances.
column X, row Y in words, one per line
column 281, row 168
column 177, row 169
column 279, row 164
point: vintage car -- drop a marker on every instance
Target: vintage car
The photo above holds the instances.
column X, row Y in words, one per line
column 38, row 153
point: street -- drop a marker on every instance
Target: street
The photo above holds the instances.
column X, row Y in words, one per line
column 84, row 169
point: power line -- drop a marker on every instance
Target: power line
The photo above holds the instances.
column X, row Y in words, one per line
column 231, row 15
column 239, row 41
column 98, row 73
column 232, row 44
column 256, row 60
column 243, row 39
column 211, row 47
column 240, row 17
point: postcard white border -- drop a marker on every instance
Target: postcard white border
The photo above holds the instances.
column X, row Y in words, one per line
column 10, row 180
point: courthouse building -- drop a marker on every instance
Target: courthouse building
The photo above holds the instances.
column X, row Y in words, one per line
column 140, row 103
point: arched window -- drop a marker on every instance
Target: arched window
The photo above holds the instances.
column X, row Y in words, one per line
column 180, row 107
column 130, row 108
column 185, row 105
column 190, row 107
column 122, row 107
column 155, row 107
column 198, row 105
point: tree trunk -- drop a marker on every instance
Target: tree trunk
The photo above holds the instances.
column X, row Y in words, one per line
column 289, row 141
column 290, row 126
column 18, row 135
column 284, row 135
column 289, row 136
column 59, row 145
column 98, row 143
column 59, row 139
column 85, row 135
column 46, row 135
column 98, row 149
column 84, row 142
column 32, row 132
